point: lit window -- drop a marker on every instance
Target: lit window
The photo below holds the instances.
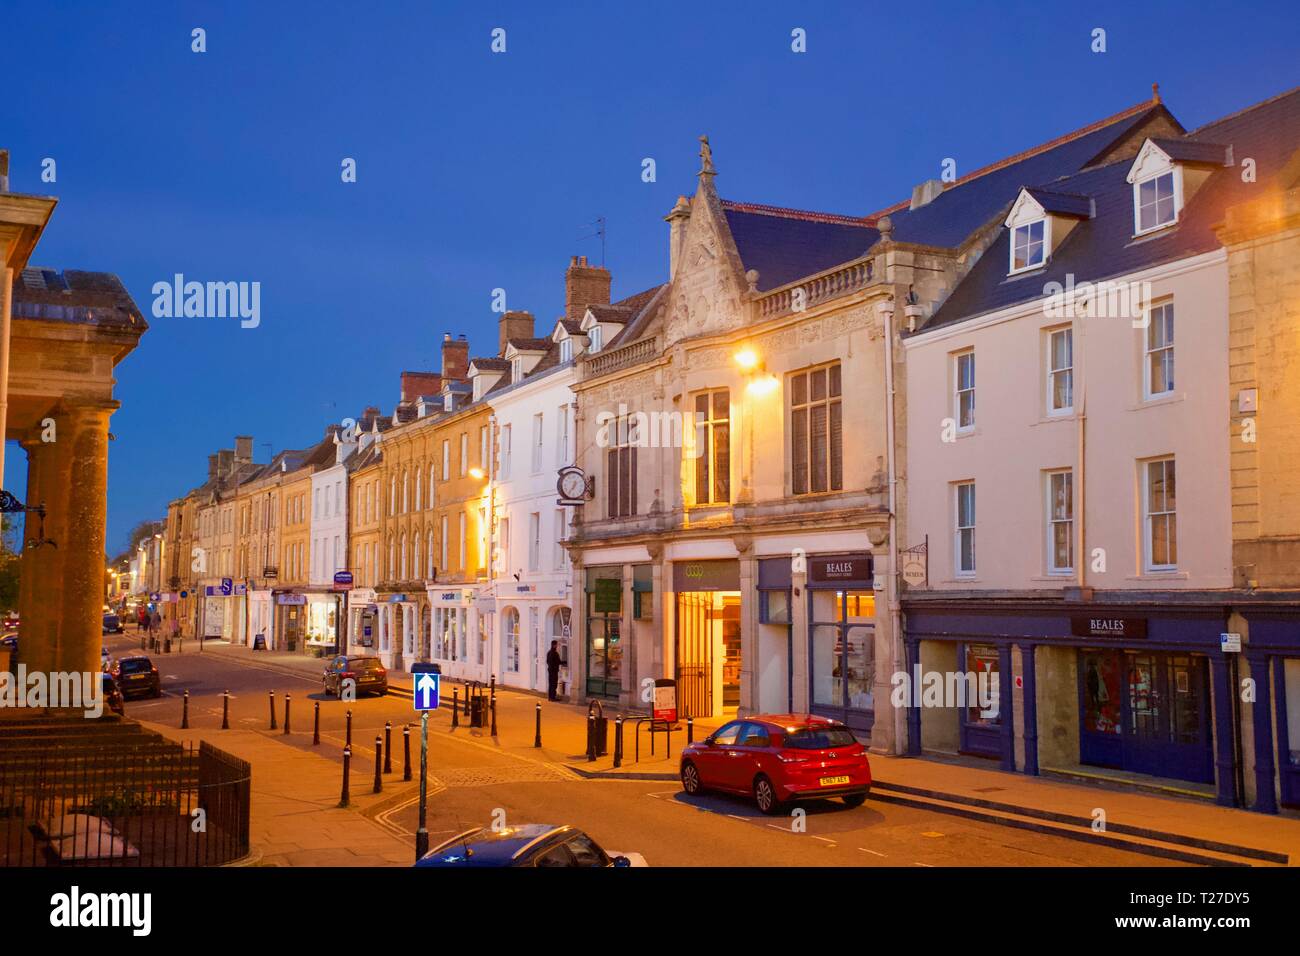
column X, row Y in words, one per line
column 1028, row 246
column 1160, row 515
column 816, row 431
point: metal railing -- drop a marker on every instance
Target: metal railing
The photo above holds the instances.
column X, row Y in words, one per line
column 77, row 802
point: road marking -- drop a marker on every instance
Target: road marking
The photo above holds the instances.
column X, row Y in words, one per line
column 824, row 840
column 931, row 833
column 737, row 816
column 927, row 865
column 872, row 852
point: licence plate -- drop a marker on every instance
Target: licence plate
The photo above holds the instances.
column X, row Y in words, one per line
column 137, row 677
column 833, row 781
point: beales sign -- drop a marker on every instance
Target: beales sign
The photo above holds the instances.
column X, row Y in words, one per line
column 844, row 567
column 1103, row 625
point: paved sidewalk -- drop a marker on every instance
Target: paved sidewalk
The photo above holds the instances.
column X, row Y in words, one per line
column 564, row 728
column 295, row 819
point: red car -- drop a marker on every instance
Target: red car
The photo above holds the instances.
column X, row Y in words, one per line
column 780, row 758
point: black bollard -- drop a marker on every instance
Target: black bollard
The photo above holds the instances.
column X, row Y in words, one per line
column 690, row 730
column 185, row 711
column 388, row 746
column 618, row 741
column 494, row 716
column 315, row 731
column 272, row 698
column 537, row 735
column 591, row 738
column 455, row 708
column 406, row 747
column 349, row 743
column 347, row 766
column 286, row 714
column 225, row 711
column 494, row 686
column 379, row 747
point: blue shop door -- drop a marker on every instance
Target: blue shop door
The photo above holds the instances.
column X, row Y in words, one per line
column 1147, row 712
column 981, row 723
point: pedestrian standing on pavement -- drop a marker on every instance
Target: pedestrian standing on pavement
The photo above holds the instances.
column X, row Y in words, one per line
column 141, row 619
column 552, row 670
column 155, row 622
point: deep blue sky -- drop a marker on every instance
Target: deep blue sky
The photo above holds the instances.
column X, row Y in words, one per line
column 478, row 170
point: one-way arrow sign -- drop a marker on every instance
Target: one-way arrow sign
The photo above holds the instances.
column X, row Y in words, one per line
column 428, row 685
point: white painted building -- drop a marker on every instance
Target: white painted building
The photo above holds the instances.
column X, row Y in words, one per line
column 329, row 537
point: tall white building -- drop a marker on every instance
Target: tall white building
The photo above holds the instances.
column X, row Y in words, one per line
column 329, row 535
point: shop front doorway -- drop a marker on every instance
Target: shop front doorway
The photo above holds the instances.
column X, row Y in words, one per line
column 1147, row 712
column 708, row 653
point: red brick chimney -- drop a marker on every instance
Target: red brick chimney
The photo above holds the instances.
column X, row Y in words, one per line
column 455, row 358
column 415, row 384
column 584, row 285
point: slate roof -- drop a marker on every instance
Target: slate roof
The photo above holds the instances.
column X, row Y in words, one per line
column 530, row 345
column 788, row 244
column 785, row 245
column 1192, row 151
column 1104, row 247
column 1061, row 204
column 611, row 314
column 74, row 296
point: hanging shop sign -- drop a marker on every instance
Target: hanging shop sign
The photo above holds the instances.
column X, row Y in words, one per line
column 291, row 599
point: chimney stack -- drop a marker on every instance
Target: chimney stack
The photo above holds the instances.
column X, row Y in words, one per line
column 584, row 285
column 243, row 448
column 415, row 384
column 513, row 325
column 212, row 467
column 4, row 170
column 455, row 358
column 226, row 462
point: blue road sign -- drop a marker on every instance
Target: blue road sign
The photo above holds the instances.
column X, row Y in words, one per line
column 428, row 686
column 227, row 585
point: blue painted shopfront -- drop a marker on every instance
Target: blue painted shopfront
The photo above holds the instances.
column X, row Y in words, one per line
column 1146, row 679
column 1273, row 652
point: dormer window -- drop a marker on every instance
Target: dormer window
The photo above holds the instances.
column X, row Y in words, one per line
column 516, row 371
column 1029, row 245
column 478, row 387
column 566, row 350
column 1039, row 222
column 593, row 339
column 1155, row 202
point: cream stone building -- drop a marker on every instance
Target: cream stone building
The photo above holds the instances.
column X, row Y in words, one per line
column 1098, row 440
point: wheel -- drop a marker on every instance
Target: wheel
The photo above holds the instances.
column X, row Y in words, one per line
column 854, row 799
column 765, row 795
column 326, row 688
column 691, row 778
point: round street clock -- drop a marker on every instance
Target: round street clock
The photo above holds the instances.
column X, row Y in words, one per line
column 572, row 484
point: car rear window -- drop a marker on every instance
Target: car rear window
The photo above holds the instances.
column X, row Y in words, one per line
column 133, row 664
column 822, row 739
column 364, row 664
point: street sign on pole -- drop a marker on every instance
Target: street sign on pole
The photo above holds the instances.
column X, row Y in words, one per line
column 428, row 685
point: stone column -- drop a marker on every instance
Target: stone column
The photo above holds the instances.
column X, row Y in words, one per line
column 69, row 583
column 801, row 662
column 1006, row 716
column 749, row 662
column 34, row 609
column 1224, row 762
column 1030, row 708
column 631, row 693
column 1262, row 714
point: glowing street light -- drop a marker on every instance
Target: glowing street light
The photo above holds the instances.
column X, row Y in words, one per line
column 747, row 359
column 476, row 473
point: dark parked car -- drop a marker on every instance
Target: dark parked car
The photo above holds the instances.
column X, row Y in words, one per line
column 367, row 673
column 113, row 624
column 136, row 675
column 775, row 759
column 113, row 695
column 533, row 844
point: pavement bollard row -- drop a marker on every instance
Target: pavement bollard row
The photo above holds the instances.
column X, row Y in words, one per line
column 537, row 734
column 286, row 714
column 406, row 748
column 185, row 711
column 347, row 766
column 388, row 746
column 379, row 754
column 455, row 707
column 225, row 711
column 272, row 698
column 315, row 733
